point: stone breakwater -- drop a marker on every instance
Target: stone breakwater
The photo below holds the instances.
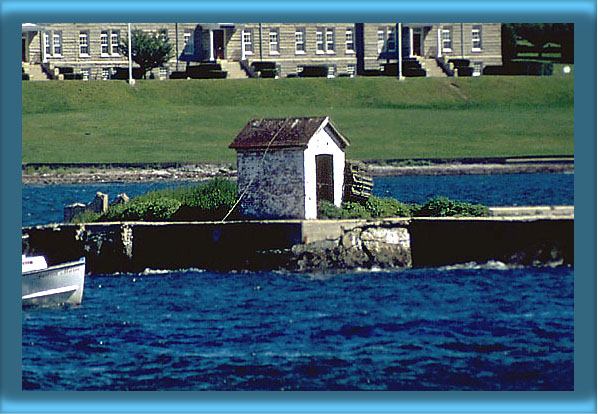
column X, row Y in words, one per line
column 307, row 245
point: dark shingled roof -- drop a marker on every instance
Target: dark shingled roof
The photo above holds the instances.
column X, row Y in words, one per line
column 285, row 132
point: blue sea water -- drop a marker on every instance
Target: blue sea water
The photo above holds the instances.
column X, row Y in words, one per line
column 466, row 327
column 460, row 328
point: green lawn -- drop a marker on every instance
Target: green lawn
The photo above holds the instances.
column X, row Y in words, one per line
column 194, row 121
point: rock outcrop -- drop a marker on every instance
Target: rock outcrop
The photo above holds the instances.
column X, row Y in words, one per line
column 367, row 246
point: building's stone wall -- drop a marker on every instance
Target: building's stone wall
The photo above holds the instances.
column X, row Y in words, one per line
column 272, row 184
column 95, row 61
column 462, row 43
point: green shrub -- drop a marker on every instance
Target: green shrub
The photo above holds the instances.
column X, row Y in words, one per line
column 327, row 210
column 211, row 201
column 443, row 207
column 387, row 207
column 205, row 202
column 85, row 217
column 347, row 210
column 159, row 209
column 356, row 210
column 384, row 207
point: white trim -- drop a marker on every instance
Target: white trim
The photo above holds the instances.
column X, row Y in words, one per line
column 449, row 40
column 320, row 44
column 350, row 31
column 49, row 292
column 84, row 35
column 300, row 31
column 188, row 43
column 274, row 34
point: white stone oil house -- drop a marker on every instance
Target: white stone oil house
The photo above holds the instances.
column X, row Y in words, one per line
column 286, row 166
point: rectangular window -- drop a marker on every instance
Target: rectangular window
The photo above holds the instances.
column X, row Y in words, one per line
column 164, row 35
column 248, row 41
column 57, row 43
column 105, row 73
column 85, row 73
column 392, row 44
column 114, row 40
column 273, row 36
column 447, row 39
column 83, row 44
column 476, row 38
column 331, row 71
column 300, row 41
column 351, row 69
column 381, row 40
column 104, row 43
column 163, row 74
column 320, row 40
column 329, row 40
column 188, row 48
column 47, row 47
column 350, row 40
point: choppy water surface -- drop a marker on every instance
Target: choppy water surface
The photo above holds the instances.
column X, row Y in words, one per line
column 460, row 328
column 467, row 327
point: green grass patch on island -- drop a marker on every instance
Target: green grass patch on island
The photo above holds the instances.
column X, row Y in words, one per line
column 217, row 199
column 195, row 120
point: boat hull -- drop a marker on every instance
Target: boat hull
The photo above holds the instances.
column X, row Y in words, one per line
column 56, row 285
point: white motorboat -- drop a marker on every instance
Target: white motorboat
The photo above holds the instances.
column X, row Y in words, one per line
column 45, row 285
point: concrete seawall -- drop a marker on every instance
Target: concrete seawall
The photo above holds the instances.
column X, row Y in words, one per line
column 307, row 244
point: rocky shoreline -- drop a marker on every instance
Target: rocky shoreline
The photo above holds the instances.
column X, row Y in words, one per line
column 58, row 174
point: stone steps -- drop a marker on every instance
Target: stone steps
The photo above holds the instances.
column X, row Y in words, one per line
column 431, row 67
column 35, row 72
column 233, row 69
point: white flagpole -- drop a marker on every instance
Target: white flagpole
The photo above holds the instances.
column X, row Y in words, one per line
column 131, row 80
column 399, row 40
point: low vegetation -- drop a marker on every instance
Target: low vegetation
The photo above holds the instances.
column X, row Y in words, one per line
column 384, row 207
column 213, row 200
column 210, row 201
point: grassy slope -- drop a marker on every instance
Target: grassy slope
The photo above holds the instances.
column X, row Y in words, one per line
column 194, row 121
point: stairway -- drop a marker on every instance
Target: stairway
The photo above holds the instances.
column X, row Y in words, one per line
column 233, row 69
column 431, row 67
column 35, row 71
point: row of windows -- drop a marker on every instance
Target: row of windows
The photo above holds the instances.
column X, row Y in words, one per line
column 325, row 41
column 447, row 39
column 109, row 42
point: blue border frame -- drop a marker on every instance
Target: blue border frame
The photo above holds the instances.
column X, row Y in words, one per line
column 580, row 12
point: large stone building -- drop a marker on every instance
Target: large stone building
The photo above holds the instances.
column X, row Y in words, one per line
column 344, row 48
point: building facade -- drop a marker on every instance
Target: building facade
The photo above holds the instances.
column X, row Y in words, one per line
column 344, row 48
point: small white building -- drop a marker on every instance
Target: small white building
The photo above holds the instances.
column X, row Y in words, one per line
column 285, row 166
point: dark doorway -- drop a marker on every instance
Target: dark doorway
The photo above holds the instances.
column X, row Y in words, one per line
column 24, row 53
column 219, row 44
column 417, row 44
column 324, row 178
